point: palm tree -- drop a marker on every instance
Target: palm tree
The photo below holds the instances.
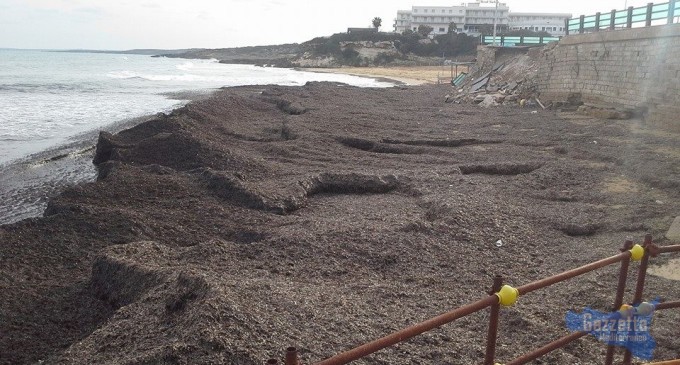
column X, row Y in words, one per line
column 377, row 22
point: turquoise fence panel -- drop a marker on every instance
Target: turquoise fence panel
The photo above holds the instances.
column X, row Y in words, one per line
column 621, row 17
column 459, row 79
column 640, row 11
column 660, row 7
column 639, row 18
column 515, row 40
column 589, row 22
column 642, row 14
column 660, row 11
column 660, row 15
column 573, row 27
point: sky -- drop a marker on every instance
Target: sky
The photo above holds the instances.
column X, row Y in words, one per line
column 176, row 24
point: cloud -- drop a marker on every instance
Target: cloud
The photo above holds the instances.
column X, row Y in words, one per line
column 90, row 10
column 204, row 16
column 151, row 5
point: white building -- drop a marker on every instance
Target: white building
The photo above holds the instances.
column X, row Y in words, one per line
column 466, row 17
column 403, row 21
column 552, row 23
column 478, row 16
column 473, row 17
column 437, row 17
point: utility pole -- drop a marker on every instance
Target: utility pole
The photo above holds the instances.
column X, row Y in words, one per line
column 495, row 17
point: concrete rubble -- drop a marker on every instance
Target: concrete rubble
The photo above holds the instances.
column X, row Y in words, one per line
column 510, row 76
column 507, row 80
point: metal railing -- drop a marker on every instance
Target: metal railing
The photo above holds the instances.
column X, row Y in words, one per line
column 663, row 13
column 505, row 295
column 509, row 41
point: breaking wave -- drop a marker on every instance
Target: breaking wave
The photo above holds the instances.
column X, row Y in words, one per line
column 127, row 75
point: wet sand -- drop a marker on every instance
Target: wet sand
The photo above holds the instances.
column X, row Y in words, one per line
column 27, row 184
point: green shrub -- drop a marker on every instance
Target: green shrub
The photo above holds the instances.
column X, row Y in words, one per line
column 449, row 45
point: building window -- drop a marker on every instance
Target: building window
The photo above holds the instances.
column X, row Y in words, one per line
column 450, row 11
column 442, row 30
column 425, row 11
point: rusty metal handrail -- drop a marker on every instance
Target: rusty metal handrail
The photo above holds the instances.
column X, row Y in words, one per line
column 667, row 362
column 496, row 297
column 379, row 344
column 524, row 289
column 399, row 336
column 547, row 348
column 640, row 286
column 533, row 355
column 668, row 305
column 492, row 334
column 668, row 249
column 618, row 300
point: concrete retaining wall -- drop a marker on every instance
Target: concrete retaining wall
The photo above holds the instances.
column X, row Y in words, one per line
column 635, row 68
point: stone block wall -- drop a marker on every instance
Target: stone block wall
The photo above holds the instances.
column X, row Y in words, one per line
column 634, row 69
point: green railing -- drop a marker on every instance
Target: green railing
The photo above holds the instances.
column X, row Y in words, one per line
column 663, row 13
column 509, row 41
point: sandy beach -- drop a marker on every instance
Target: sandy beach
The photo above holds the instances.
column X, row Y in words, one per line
column 325, row 216
column 412, row 75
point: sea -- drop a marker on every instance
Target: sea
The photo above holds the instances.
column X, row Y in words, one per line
column 53, row 105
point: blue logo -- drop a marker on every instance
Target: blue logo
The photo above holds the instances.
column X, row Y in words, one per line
column 628, row 327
